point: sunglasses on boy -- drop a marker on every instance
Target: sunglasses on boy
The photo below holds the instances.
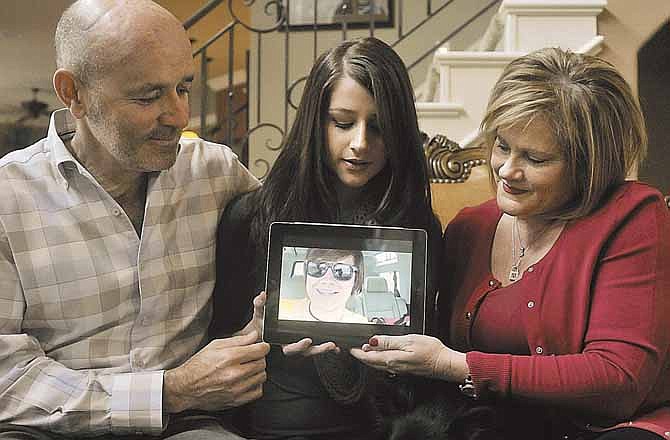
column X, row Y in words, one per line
column 341, row 271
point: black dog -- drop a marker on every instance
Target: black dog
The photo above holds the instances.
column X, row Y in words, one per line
column 438, row 411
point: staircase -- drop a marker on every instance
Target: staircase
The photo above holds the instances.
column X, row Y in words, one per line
column 464, row 79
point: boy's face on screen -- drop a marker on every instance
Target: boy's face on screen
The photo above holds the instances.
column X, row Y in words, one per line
column 329, row 285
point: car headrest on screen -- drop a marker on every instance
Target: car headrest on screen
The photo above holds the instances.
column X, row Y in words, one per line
column 376, row 284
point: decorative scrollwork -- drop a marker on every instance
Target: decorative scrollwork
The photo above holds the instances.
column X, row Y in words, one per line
column 268, row 141
column 264, row 163
column 448, row 162
column 289, row 91
column 271, row 8
column 268, row 144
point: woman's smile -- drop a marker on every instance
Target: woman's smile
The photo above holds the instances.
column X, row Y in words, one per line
column 326, row 291
column 512, row 190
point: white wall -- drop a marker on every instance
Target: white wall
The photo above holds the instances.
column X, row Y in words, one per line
column 626, row 26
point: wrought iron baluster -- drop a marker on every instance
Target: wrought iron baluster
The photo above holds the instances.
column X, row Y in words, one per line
column 400, row 19
column 203, row 92
column 258, row 80
column 315, row 31
column 286, row 64
column 247, row 71
column 371, row 17
column 230, row 119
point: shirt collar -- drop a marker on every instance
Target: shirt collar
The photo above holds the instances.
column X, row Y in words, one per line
column 62, row 127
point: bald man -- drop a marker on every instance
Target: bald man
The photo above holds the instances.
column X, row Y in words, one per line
column 107, row 244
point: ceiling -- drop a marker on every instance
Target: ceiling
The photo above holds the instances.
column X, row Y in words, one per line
column 28, row 57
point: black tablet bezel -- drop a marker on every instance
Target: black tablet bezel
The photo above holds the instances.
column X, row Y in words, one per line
column 336, row 236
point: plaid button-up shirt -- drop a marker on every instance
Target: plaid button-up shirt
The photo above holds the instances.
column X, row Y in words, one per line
column 90, row 313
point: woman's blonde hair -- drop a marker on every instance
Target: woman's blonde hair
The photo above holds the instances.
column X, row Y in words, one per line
column 591, row 110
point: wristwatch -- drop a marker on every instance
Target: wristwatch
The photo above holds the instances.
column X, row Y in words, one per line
column 468, row 387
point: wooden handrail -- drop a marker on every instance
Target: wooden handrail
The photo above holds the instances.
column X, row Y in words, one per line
column 200, row 13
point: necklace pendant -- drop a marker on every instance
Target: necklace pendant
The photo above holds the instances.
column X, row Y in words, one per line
column 514, row 273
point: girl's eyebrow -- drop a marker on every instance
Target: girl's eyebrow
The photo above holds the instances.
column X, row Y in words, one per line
column 348, row 112
column 340, row 110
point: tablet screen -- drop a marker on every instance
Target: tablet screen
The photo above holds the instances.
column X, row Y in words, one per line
column 347, row 285
column 343, row 283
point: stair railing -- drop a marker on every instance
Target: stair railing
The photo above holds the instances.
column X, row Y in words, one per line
column 280, row 9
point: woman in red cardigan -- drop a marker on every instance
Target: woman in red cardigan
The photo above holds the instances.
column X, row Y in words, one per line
column 555, row 296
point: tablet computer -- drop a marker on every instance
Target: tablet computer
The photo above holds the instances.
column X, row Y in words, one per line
column 343, row 283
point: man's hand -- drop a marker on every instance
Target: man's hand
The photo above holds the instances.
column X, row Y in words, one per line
column 255, row 324
column 226, row 373
column 303, row 347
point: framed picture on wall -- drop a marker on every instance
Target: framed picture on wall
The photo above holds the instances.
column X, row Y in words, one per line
column 332, row 14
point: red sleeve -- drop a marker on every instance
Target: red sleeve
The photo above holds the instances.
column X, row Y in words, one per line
column 627, row 337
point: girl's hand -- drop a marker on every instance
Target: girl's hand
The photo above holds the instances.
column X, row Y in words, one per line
column 305, row 348
column 413, row 354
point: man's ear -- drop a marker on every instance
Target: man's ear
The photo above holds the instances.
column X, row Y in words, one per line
column 70, row 92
